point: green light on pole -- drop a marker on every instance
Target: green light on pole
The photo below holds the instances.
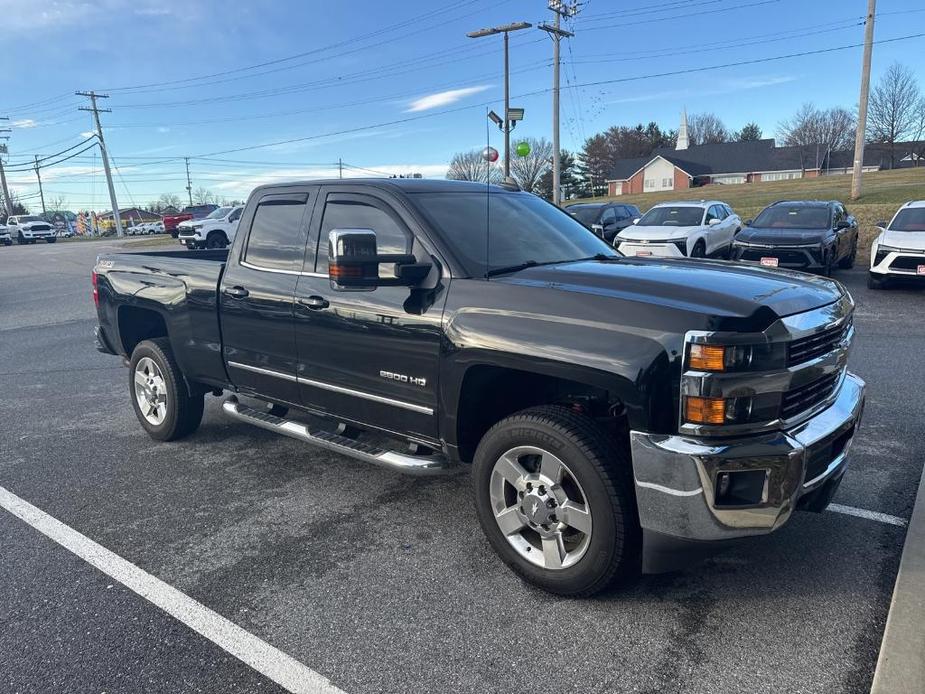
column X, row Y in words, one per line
column 523, row 149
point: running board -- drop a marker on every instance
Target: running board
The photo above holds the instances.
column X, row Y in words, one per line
column 412, row 464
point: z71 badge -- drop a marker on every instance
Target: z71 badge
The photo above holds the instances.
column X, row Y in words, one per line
column 402, row 378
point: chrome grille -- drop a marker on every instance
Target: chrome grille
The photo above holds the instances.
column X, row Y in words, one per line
column 805, row 397
column 812, row 346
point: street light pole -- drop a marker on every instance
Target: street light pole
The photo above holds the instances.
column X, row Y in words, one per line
column 504, row 29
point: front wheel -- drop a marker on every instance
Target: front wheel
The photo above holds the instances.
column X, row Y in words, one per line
column 50, row 240
column 216, row 240
column 699, row 250
column 554, row 497
column 160, row 398
column 874, row 282
column 847, row 262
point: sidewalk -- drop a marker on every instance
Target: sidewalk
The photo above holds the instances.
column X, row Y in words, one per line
column 901, row 667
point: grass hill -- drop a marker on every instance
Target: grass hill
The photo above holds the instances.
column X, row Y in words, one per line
column 882, row 193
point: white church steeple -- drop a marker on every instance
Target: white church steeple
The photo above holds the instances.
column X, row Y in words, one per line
column 683, row 141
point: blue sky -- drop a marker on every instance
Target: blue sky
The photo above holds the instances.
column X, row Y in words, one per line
column 176, row 73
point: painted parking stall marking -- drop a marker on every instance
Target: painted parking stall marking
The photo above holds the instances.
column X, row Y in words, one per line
column 269, row 661
column 869, row 515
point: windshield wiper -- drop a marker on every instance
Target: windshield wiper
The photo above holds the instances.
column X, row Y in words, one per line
column 511, row 268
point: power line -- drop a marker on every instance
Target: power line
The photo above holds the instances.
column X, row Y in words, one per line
column 54, row 163
column 411, row 21
column 409, row 119
column 680, row 16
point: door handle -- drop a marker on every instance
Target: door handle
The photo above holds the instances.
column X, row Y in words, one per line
column 235, row 292
column 315, row 303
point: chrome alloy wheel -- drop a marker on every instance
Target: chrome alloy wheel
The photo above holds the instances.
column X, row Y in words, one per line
column 150, row 391
column 540, row 507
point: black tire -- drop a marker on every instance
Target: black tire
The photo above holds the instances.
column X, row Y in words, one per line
column 828, row 269
column 183, row 411
column 699, row 250
column 216, row 240
column 20, row 239
column 277, row 410
column 603, row 471
column 874, row 282
column 50, row 240
column 847, row 262
column 191, row 246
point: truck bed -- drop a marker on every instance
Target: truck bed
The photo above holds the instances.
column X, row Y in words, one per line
column 140, row 294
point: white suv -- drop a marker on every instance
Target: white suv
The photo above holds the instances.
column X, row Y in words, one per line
column 214, row 231
column 5, row 237
column 29, row 228
column 899, row 250
column 682, row 229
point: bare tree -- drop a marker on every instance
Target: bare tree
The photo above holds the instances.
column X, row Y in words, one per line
column 204, row 196
column 706, row 129
column 165, row 201
column 893, row 109
column 817, row 132
column 918, row 137
column 529, row 170
column 471, row 166
column 56, row 203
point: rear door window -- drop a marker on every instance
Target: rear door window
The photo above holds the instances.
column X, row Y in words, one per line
column 277, row 234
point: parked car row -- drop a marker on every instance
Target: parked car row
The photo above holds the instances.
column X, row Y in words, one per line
column 811, row 235
column 145, row 228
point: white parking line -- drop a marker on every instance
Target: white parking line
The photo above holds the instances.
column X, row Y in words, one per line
column 258, row 654
column 869, row 515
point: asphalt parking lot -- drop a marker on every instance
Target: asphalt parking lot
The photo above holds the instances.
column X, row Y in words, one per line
column 382, row 583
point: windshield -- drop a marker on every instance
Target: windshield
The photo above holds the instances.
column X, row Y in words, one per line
column 801, row 217
column 524, row 229
column 672, row 217
column 910, row 219
column 219, row 213
column 586, row 214
column 30, row 218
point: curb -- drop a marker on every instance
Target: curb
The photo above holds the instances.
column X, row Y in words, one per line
column 901, row 665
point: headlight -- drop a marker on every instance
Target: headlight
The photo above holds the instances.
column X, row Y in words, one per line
column 883, row 252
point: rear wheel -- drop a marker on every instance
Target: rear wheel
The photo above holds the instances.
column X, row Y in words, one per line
column 160, row 398
column 554, row 497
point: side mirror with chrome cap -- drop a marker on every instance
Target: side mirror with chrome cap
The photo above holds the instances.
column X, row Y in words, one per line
column 353, row 263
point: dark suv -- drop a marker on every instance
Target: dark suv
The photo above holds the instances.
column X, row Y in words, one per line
column 800, row 234
column 605, row 219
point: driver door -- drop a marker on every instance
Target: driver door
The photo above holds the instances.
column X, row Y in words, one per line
column 369, row 357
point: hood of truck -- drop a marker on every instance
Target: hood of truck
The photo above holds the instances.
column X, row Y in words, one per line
column 783, row 237
column 706, row 287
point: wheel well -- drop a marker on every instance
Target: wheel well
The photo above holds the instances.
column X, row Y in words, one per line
column 215, row 232
column 491, row 393
column 137, row 324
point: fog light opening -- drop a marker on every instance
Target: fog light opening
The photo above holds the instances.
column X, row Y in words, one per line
column 739, row 488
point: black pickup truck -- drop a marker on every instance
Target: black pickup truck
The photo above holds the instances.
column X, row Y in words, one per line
column 619, row 414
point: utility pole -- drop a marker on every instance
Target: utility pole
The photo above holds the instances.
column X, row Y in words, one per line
column 189, row 184
column 39, row 177
column 93, row 96
column 507, row 127
column 862, row 102
column 7, row 200
column 340, row 167
column 559, row 9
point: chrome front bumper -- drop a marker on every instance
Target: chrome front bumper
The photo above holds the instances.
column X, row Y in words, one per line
column 675, row 476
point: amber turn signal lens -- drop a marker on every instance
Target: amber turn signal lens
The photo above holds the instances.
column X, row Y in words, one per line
column 704, row 410
column 708, row 357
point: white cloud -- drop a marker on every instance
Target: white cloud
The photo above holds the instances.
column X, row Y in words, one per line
column 722, row 87
column 24, row 123
column 87, row 133
column 163, row 129
column 443, row 98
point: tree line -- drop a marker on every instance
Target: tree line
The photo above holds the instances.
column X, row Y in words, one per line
column 896, row 113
